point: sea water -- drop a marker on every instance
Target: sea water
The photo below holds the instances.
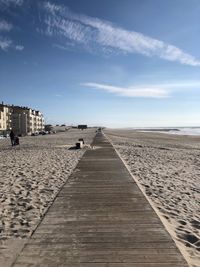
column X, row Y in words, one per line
column 185, row 131
column 174, row 130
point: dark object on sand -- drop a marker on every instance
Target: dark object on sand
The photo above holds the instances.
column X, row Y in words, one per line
column 81, row 139
column 82, row 127
column 16, row 141
column 79, row 145
column 12, row 138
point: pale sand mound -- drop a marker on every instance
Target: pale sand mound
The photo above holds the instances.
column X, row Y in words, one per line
column 168, row 168
column 30, row 178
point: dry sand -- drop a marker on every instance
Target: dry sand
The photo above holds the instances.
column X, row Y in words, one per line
column 30, row 178
column 168, row 169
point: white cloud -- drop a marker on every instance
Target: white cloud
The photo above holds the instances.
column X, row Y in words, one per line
column 64, row 47
column 5, row 43
column 149, row 92
column 52, row 7
column 159, row 90
column 183, row 84
column 19, row 47
column 5, row 26
column 7, row 3
column 94, row 33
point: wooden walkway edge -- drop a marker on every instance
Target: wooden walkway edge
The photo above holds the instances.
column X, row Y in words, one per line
column 100, row 218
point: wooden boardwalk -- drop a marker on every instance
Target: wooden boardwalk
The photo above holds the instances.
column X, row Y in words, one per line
column 100, row 218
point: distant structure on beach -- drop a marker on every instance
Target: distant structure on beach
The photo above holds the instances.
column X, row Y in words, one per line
column 82, row 127
column 22, row 120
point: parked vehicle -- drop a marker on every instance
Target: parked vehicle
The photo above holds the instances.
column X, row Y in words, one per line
column 35, row 134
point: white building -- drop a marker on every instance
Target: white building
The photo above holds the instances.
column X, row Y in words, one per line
column 22, row 120
column 5, row 118
column 29, row 121
column 19, row 123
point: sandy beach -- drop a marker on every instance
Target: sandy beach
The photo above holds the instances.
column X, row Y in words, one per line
column 165, row 166
column 168, row 170
column 30, row 178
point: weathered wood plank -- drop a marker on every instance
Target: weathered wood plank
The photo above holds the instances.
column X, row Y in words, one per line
column 55, row 263
column 100, row 218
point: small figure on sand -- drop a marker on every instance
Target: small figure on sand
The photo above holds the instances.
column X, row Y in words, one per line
column 16, row 143
column 12, row 138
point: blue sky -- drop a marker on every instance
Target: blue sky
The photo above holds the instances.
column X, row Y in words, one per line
column 129, row 63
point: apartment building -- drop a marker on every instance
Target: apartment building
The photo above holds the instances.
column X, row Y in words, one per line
column 22, row 120
column 35, row 121
column 19, row 123
column 26, row 120
column 5, row 118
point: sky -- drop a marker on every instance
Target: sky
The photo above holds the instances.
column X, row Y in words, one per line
column 113, row 63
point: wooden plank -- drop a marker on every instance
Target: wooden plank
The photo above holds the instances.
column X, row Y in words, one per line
column 55, row 263
column 115, row 257
column 100, row 219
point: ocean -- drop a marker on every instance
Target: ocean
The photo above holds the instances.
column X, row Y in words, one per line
column 175, row 130
column 186, row 131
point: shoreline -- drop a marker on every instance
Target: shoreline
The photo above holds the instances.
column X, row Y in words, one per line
column 185, row 131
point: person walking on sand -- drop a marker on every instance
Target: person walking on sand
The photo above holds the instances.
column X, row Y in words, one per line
column 12, row 138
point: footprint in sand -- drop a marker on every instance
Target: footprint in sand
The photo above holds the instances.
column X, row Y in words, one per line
column 182, row 222
column 195, row 224
column 190, row 239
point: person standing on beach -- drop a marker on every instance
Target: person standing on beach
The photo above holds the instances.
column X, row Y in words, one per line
column 12, row 138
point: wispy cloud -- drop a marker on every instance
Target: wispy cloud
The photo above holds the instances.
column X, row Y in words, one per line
column 159, row 90
column 148, row 92
column 5, row 43
column 93, row 33
column 52, row 7
column 180, row 85
column 63, row 47
column 19, row 47
column 7, row 3
column 5, row 26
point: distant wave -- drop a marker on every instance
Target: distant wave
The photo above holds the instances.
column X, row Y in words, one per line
column 177, row 131
column 186, row 131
